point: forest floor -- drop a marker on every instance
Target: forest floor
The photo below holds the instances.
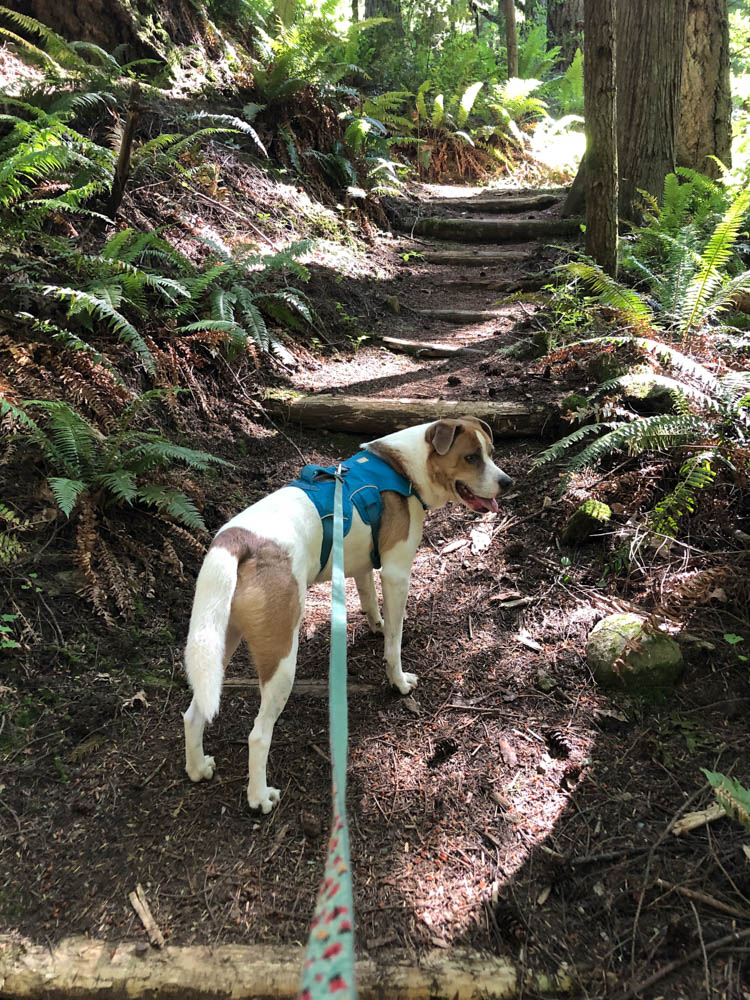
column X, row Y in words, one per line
column 509, row 805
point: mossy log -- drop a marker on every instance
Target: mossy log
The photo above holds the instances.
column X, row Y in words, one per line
column 364, row 415
column 495, row 230
column 85, row 968
column 504, row 203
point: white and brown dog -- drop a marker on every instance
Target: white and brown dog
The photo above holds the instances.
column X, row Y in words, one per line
column 253, row 580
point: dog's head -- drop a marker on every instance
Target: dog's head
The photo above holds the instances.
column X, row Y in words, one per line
column 460, row 463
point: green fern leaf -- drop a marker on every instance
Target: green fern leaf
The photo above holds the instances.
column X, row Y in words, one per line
column 66, row 492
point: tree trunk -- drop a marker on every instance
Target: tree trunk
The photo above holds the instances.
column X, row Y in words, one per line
column 705, row 100
column 564, row 28
column 386, row 8
column 511, row 37
column 600, row 95
column 649, row 70
column 149, row 29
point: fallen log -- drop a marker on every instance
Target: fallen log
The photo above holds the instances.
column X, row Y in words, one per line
column 495, row 230
column 426, row 349
column 365, row 415
column 473, row 258
column 505, row 203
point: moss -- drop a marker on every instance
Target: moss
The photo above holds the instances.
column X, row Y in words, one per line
column 622, row 652
column 591, row 516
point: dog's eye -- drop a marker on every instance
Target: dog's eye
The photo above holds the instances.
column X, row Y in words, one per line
column 472, row 459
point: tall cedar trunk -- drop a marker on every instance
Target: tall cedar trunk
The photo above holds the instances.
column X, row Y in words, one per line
column 705, row 99
column 600, row 96
column 649, row 70
column 511, row 37
column 150, row 30
column 564, row 27
column 386, row 8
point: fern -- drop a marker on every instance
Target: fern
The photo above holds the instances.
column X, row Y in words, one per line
column 609, row 291
column 731, row 795
column 695, row 474
column 467, row 103
column 111, row 467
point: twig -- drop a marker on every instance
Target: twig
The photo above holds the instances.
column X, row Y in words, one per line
column 702, row 897
column 237, row 215
column 662, row 836
column 706, row 973
column 141, row 907
column 679, row 962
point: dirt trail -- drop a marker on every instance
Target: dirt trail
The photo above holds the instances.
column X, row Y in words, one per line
column 508, row 804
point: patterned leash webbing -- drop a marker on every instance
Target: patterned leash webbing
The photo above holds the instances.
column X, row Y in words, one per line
column 329, row 959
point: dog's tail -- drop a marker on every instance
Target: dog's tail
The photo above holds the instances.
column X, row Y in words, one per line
column 205, row 649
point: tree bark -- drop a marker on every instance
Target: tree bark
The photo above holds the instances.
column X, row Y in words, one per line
column 600, row 95
column 511, row 37
column 649, row 72
column 147, row 30
column 564, row 28
column 705, row 99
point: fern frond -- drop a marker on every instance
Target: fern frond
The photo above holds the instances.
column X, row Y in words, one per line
column 608, row 290
column 176, row 504
column 66, row 492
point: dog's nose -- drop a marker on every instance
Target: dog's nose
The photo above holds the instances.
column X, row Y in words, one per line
column 504, row 482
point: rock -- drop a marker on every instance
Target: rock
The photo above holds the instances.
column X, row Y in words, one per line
column 574, row 403
column 591, row 516
column 545, row 681
column 648, row 398
column 651, row 663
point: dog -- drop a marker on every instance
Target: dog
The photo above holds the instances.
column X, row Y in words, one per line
column 254, row 578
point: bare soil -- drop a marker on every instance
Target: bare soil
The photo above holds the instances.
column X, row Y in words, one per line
column 509, row 804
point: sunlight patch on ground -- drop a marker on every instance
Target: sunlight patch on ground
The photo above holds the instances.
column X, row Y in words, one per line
column 558, row 149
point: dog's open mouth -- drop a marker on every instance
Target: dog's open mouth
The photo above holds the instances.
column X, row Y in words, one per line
column 475, row 502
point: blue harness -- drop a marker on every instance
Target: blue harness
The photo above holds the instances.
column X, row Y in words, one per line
column 365, row 478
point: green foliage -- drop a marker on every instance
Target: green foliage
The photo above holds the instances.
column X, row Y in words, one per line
column 732, row 796
column 568, row 94
column 713, row 414
column 225, row 295
column 534, row 58
column 109, row 469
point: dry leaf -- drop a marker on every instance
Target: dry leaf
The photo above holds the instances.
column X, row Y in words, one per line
column 746, row 851
column 525, row 639
column 480, row 540
column 543, row 896
column 505, row 595
column 453, row 546
column 138, row 698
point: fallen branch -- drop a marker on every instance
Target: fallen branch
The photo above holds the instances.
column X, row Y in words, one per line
column 665, row 970
column 702, row 897
column 141, row 907
column 694, row 820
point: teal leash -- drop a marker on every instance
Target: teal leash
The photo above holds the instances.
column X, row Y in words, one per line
column 329, row 959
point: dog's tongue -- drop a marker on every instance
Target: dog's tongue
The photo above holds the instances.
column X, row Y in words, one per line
column 483, row 503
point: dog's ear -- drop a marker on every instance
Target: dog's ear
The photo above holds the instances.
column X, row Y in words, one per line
column 487, row 429
column 442, row 434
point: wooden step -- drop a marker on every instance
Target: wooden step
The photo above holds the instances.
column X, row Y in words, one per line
column 495, row 230
column 499, row 203
column 367, row 415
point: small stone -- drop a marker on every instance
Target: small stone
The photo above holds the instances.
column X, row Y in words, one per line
column 545, row 682
column 454, row 380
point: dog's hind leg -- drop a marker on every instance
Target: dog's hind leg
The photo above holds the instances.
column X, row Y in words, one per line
column 197, row 764
column 274, row 693
column 368, row 600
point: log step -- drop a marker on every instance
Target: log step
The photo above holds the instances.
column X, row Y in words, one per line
column 495, row 230
column 365, row 415
column 503, row 204
column 460, row 315
column 473, row 258
column 426, row 349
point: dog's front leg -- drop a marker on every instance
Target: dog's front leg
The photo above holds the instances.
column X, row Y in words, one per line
column 368, row 600
column 394, row 578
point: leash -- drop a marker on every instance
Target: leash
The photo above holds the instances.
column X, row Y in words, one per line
column 329, row 959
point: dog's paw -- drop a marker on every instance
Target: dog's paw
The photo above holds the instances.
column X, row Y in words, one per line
column 265, row 800
column 406, row 683
column 376, row 624
column 197, row 771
